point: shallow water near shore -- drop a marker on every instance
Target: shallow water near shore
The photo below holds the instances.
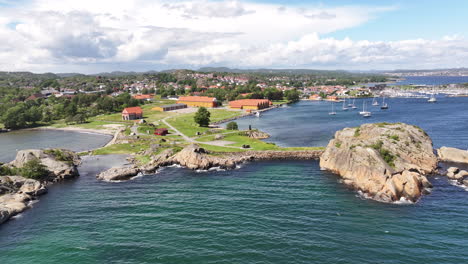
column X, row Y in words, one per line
column 11, row 142
column 263, row 212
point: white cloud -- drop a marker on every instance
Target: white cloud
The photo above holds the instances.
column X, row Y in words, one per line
column 90, row 35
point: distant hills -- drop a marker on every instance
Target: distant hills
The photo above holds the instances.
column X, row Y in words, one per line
column 226, row 70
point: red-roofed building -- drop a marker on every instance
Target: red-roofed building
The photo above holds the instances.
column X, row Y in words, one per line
column 35, row 96
column 161, row 131
column 132, row 113
column 198, row 101
column 250, row 104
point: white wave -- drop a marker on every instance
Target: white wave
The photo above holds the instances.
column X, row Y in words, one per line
column 82, row 248
column 403, row 200
column 175, row 166
column 18, row 216
column 456, row 183
column 366, row 196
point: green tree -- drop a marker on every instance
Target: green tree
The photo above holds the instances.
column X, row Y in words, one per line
column 14, row 118
column 292, row 95
column 202, row 117
column 34, row 169
column 79, row 118
column 232, row 126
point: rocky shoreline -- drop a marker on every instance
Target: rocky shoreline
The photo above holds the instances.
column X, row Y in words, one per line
column 196, row 158
column 16, row 192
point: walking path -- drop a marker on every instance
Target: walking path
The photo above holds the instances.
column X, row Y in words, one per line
column 191, row 140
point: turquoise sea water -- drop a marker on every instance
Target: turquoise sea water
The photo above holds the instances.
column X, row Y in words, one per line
column 265, row 212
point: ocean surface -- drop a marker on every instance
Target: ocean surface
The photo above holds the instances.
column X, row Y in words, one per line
column 263, row 212
column 308, row 123
column 432, row 80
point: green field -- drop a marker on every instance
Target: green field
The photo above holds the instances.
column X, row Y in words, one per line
column 185, row 123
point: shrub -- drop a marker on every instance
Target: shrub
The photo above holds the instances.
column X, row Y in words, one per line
column 60, row 155
column 232, row 126
column 394, row 137
column 338, row 144
column 386, row 155
column 357, row 132
column 7, row 171
column 34, row 169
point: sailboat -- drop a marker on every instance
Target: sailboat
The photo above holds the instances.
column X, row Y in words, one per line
column 364, row 113
column 384, row 104
column 333, row 109
column 374, row 102
column 353, row 106
column 432, row 99
column 344, row 105
column 257, row 114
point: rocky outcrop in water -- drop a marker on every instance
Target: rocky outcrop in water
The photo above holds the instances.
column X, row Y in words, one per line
column 118, row 174
column 452, row 155
column 16, row 192
column 196, row 158
column 387, row 162
column 61, row 163
column 461, row 176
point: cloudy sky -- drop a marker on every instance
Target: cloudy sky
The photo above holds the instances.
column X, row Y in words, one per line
column 92, row 36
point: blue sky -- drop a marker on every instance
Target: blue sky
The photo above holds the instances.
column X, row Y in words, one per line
column 429, row 19
column 105, row 35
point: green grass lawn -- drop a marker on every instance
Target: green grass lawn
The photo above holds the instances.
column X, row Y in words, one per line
column 280, row 102
column 255, row 144
column 185, row 123
column 221, row 149
column 128, row 148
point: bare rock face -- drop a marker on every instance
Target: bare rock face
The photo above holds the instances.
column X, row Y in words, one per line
column 461, row 176
column 118, row 174
column 255, row 134
column 162, row 159
column 18, row 192
column 12, row 204
column 60, row 162
column 385, row 161
column 453, row 155
column 194, row 157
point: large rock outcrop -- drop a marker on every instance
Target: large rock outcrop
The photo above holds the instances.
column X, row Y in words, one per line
column 61, row 163
column 452, row 155
column 16, row 192
column 118, row 174
column 194, row 157
column 385, row 161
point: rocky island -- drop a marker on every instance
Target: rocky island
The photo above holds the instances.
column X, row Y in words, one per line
column 27, row 177
column 387, row 162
